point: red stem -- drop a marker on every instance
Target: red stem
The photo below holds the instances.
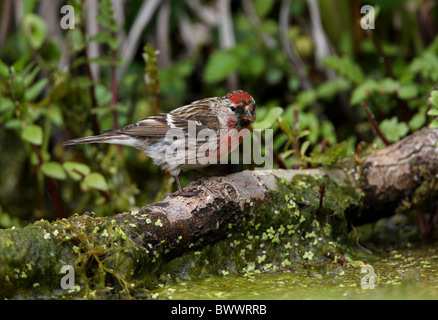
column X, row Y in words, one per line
column 51, row 186
column 114, row 89
column 321, row 197
column 114, row 94
column 374, row 124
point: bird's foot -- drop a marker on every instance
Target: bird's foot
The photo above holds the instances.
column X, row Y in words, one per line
column 183, row 193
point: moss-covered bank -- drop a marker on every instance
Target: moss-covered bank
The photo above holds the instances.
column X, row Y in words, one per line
column 108, row 261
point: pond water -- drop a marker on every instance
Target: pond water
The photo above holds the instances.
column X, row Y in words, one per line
column 403, row 274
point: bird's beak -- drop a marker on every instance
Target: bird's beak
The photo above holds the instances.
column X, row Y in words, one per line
column 248, row 114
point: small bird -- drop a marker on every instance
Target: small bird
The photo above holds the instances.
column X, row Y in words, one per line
column 221, row 119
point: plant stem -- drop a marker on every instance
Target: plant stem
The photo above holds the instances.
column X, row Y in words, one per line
column 95, row 122
column 374, row 124
column 114, row 89
column 51, row 186
column 114, row 93
column 321, row 197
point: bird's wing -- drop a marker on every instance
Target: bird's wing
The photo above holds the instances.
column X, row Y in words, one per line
column 198, row 113
column 154, row 126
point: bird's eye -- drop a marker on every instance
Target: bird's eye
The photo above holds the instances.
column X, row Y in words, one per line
column 233, row 108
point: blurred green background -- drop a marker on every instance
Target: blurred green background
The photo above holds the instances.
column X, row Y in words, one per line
column 68, row 72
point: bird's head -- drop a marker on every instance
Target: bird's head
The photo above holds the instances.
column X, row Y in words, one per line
column 241, row 108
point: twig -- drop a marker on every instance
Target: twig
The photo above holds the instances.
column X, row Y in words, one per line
column 289, row 50
column 250, row 11
column 131, row 44
column 114, row 90
column 291, row 54
column 296, row 128
column 321, row 197
column 322, row 45
column 95, row 122
column 422, row 224
column 374, row 124
column 206, row 13
column 51, row 186
column 226, row 37
column 163, row 34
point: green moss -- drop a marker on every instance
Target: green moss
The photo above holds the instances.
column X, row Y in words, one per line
column 109, row 264
column 98, row 249
column 279, row 234
column 411, row 275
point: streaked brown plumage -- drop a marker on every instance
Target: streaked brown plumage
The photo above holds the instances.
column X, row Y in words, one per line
column 236, row 110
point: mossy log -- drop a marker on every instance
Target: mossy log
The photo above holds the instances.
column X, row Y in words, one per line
column 248, row 222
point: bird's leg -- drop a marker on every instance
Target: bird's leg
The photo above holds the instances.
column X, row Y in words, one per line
column 180, row 191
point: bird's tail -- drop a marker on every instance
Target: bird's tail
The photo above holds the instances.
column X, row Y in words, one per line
column 103, row 138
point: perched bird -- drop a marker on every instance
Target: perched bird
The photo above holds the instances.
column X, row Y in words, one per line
column 223, row 120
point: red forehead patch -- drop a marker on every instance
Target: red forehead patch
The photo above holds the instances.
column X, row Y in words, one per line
column 237, row 97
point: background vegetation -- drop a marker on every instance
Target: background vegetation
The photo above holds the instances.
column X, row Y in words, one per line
column 314, row 72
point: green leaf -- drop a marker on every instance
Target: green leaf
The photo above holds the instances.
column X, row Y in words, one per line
column 76, row 170
column 36, row 159
column 96, row 181
column 303, row 134
column 113, row 44
column 106, row 15
column 6, row 105
column 4, row 69
column 328, row 89
column 35, row 29
column 345, row 67
column 433, row 113
column 408, row 92
column 328, row 131
column 433, row 99
column 19, row 64
column 306, row 98
column 304, row 147
column 426, row 65
column 33, row 134
column 33, row 92
column 77, row 41
column 434, row 124
column 269, row 119
column 254, row 66
column 102, row 37
column 331, row 155
column 263, row 7
column 53, row 170
column 284, row 126
column 29, row 78
column 419, row 119
column 388, row 85
column 393, row 130
column 219, row 65
column 362, row 92
column 13, row 124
